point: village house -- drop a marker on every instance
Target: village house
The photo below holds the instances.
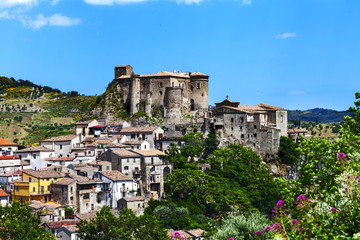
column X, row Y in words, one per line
column 67, row 232
column 114, row 127
column 120, row 186
column 35, row 155
column 295, row 133
column 35, row 185
column 126, row 161
column 82, row 194
column 101, row 165
column 138, row 145
column 49, row 211
column 55, row 226
column 255, row 126
column 7, row 147
column 62, row 145
column 150, row 134
column 60, row 161
column 8, row 178
column 153, row 172
column 11, row 163
column 83, row 127
column 136, row 204
column 4, row 198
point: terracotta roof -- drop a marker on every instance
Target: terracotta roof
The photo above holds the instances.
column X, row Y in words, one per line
column 35, row 149
column 105, row 140
column 117, row 145
column 45, row 174
column 167, row 74
column 250, row 108
column 198, row 74
column 4, row 142
column 82, row 179
column 124, row 153
column 134, row 142
column 98, row 126
column 149, row 152
column 138, row 129
column 13, row 173
column 59, row 224
column 99, row 163
column 60, row 159
column 71, row 228
column 60, row 138
column 269, row 107
column 86, row 216
column 134, row 199
column 3, row 193
column 8, row 157
column 64, row 182
column 115, row 175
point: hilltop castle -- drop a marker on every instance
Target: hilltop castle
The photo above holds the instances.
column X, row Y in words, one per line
column 174, row 93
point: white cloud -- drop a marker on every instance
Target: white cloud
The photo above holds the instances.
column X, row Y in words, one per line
column 54, row 20
column 246, row 2
column 112, row 2
column 285, row 35
column 13, row 3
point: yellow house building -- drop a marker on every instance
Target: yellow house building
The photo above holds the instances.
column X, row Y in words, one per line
column 35, row 185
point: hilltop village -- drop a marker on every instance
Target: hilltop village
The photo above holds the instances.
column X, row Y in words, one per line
column 112, row 162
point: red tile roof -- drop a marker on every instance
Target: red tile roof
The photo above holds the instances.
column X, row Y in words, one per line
column 4, row 142
column 60, row 138
column 115, row 175
column 3, row 193
column 60, row 159
column 166, row 74
column 13, row 173
column 35, row 149
column 8, row 157
column 59, row 224
column 149, row 152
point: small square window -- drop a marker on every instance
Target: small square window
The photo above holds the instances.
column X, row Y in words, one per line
column 160, row 92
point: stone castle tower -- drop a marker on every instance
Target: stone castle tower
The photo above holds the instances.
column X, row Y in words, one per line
column 174, row 92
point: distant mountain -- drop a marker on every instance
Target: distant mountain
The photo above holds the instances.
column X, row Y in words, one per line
column 318, row 114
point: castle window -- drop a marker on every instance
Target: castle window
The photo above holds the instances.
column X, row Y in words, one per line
column 255, row 126
column 281, row 118
column 202, row 94
column 240, row 127
column 254, row 144
column 143, row 84
column 160, row 84
column 242, row 136
column 198, row 85
column 232, row 120
column 191, row 88
column 172, row 84
column 232, row 129
column 160, row 92
column 255, row 135
column 241, row 120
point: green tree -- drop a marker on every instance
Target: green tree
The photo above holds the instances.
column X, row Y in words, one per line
column 106, row 226
column 288, row 152
column 193, row 145
column 17, row 222
column 210, row 143
column 243, row 169
column 204, row 194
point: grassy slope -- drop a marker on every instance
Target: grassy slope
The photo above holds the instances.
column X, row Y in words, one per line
column 32, row 113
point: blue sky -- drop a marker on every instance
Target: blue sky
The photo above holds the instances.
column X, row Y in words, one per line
column 296, row 54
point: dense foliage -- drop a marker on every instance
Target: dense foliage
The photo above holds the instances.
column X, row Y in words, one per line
column 17, row 222
column 107, row 226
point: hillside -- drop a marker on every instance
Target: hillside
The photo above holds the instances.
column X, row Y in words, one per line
column 318, row 115
column 31, row 112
